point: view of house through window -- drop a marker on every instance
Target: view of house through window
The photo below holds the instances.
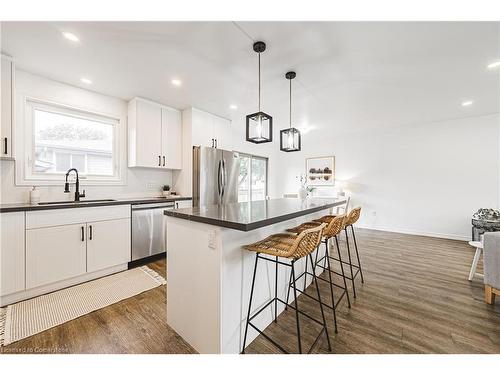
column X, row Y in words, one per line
column 64, row 141
column 252, row 182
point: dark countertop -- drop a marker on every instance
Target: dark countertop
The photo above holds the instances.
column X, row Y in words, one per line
column 248, row 216
column 14, row 207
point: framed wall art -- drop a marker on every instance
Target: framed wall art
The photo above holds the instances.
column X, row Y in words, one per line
column 320, row 171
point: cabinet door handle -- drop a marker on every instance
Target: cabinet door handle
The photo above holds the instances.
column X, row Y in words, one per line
column 5, row 144
column 159, row 160
column 90, row 234
column 83, row 234
column 215, row 142
column 164, row 161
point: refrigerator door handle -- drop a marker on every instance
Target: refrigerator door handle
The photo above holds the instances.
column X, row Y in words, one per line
column 219, row 179
column 224, row 176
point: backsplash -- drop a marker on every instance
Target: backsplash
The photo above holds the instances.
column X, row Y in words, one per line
column 139, row 183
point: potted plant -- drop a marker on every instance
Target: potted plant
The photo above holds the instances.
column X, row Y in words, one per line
column 166, row 190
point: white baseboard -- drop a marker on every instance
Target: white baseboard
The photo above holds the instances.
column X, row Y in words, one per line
column 417, row 233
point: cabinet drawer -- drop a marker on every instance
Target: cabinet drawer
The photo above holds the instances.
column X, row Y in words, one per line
column 66, row 216
column 55, row 254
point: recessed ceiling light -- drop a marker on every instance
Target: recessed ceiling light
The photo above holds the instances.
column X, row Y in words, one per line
column 495, row 64
column 176, row 82
column 467, row 103
column 70, row 36
column 86, row 81
column 233, row 106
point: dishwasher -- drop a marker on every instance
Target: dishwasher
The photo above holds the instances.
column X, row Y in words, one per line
column 149, row 234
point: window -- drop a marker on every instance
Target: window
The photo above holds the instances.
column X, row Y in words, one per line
column 60, row 138
column 252, row 182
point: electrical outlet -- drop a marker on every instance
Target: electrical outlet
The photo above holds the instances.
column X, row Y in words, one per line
column 151, row 185
column 374, row 213
column 211, row 239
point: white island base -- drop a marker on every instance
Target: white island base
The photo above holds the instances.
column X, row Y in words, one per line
column 209, row 278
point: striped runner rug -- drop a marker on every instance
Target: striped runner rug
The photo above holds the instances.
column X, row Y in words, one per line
column 27, row 318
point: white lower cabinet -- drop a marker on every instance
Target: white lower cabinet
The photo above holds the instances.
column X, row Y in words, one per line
column 54, row 254
column 73, row 243
column 184, row 204
column 11, row 252
column 108, row 244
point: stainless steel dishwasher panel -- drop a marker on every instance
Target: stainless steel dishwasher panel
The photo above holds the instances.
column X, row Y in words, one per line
column 148, row 229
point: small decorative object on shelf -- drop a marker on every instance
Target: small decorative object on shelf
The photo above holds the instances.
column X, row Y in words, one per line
column 259, row 125
column 321, row 171
column 485, row 220
column 166, row 190
column 303, row 187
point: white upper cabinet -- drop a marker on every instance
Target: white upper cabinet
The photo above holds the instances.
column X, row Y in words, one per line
column 210, row 130
column 202, row 129
column 222, row 133
column 171, row 130
column 154, row 135
column 7, row 73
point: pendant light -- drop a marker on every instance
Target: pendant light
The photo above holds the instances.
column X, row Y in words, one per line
column 290, row 138
column 259, row 125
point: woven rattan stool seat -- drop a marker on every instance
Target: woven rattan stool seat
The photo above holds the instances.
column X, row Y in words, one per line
column 325, row 219
column 353, row 216
column 334, row 226
column 287, row 245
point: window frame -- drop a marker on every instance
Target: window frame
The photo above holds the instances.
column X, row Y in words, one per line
column 27, row 176
column 251, row 157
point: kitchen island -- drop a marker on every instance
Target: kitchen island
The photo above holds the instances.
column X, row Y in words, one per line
column 209, row 274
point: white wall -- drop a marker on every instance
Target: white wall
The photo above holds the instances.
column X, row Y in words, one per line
column 138, row 182
column 423, row 179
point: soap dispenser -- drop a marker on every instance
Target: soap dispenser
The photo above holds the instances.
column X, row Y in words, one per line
column 35, row 195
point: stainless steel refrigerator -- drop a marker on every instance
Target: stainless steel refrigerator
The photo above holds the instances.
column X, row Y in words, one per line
column 215, row 176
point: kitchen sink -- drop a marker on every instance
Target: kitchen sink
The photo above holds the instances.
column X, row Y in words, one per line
column 79, row 202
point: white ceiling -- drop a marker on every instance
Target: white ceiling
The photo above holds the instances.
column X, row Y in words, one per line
column 350, row 75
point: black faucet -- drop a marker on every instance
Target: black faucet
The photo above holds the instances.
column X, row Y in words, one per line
column 77, row 185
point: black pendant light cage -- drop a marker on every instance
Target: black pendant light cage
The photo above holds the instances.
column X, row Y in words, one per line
column 290, row 138
column 259, row 125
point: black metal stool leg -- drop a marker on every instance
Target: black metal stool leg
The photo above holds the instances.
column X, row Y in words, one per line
column 327, row 256
column 305, row 276
column 250, row 303
column 288, row 291
column 357, row 254
column 296, row 306
column 350, row 262
column 321, row 304
column 276, row 293
column 343, row 273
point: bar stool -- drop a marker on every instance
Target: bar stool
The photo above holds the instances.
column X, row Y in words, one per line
column 334, row 227
column 352, row 218
column 292, row 247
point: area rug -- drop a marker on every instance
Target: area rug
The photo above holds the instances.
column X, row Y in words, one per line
column 27, row 318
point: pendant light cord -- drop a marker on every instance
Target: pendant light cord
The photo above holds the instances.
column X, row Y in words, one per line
column 259, row 81
column 290, row 104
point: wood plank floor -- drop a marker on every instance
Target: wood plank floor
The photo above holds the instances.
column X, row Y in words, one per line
column 415, row 299
column 135, row 325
